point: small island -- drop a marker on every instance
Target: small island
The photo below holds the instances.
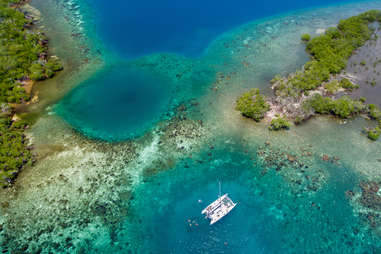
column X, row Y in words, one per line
column 122, row 150
column 24, row 60
column 321, row 86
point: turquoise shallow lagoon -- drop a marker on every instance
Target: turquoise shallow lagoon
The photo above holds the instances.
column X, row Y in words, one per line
column 117, row 103
column 144, row 29
column 268, row 219
column 131, row 155
column 173, row 221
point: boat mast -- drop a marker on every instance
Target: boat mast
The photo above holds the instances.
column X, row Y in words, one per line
column 219, row 196
column 219, row 185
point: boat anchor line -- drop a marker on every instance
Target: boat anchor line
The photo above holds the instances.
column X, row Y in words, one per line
column 219, row 208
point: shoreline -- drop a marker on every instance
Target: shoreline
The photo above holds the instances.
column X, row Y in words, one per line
column 26, row 49
column 80, row 60
column 81, row 189
column 323, row 85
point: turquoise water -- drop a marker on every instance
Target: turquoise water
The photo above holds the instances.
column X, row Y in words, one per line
column 269, row 218
column 290, row 208
column 132, row 29
column 117, row 103
column 176, row 197
column 135, row 28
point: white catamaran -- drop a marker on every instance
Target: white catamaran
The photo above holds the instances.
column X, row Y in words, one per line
column 219, row 208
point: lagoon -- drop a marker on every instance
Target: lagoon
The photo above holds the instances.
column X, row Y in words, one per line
column 135, row 28
column 131, row 173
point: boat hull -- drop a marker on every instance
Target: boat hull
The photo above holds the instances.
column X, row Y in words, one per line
column 219, row 209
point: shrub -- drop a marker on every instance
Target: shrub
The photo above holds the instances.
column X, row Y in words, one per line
column 20, row 51
column 332, row 87
column 279, row 123
column 14, row 153
column 319, row 104
column 374, row 134
column 306, row 37
column 346, row 84
column 343, row 107
column 374, row 112
column 330, row 52
column 36, row 72
column 276, row 79
column 54, row 64
column 253, row 105
column 49, row 73
column 298, row 120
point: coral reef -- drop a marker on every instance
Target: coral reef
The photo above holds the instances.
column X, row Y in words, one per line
column 300, row 169
column 366, row 201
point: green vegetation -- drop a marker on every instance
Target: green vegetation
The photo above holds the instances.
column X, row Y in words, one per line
column 330, row 53
column 306, row 37
column 253, row 105
column 279, row 123
column 276, row 79
column 374, row 133
column 37, row 72
column 14, row 151
column 24, row 56
column 332, row 87
column 374, row 112
column 298, row 120
column 348, row 85
column 301, row 81
column 343, row 107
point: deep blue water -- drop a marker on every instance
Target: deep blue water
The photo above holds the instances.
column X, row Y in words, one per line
column 120, row 103
column 134, row 28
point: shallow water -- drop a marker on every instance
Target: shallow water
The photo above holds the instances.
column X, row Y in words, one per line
column 116, row 104
column 91, row 196
column 268, row 218
column 177, row 197
column 132, row 29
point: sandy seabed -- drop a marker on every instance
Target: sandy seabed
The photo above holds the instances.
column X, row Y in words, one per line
column 79, row 193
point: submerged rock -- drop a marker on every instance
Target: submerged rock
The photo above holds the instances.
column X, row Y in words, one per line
column 293, row 169
column 370, row 196
column 366, row 202
column 325, row 157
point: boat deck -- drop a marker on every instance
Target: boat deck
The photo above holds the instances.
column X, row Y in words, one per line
column 219, row 208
